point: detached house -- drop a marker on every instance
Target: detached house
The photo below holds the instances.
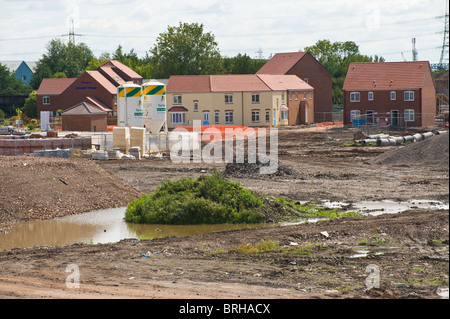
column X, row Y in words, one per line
column 398, row 94
column 246, row 100
column 98, row 88
column 307, row 68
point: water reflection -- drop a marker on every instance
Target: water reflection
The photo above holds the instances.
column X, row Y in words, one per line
column 103, row 226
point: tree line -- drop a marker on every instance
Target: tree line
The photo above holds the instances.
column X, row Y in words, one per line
column 185, row 49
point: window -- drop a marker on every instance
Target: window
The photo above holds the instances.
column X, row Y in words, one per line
column 255, row 98
column 205, row 117
column 369, row 117
column 296, row 96
column 409, row 115
column 229, row 118
column 267, row 116
column 178, row 118
column 282, row 97
column 255, row 116
column 370, row 96
column 284, row 115
column 46, row 100
column 393, row 95
column 228, row 98
column 195, row 106
column 409, row 96
column 177, row 99
column 304, row 97
column 290, row 96
column 355, row 97
column 216, row 117
column 355, row 115
column 310, row 95
column 306, row 80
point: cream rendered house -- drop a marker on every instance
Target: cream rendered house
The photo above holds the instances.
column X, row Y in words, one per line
column 242, row 100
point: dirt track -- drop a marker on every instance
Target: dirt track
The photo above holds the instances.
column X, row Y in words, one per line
column 410, row 249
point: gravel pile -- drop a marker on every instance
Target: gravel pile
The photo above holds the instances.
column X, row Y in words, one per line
column 433, row 151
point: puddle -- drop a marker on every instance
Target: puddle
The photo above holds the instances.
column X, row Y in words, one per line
column 107, row 226
column 102, row 226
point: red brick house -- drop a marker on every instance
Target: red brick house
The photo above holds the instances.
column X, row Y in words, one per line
column 307, row 68
column 99, row 86
column 399, row 94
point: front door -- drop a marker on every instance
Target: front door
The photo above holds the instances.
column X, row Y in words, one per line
column 394, row 118
column 205, row 118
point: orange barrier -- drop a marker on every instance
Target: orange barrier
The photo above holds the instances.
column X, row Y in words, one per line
column 322, row 126
column 110, row 128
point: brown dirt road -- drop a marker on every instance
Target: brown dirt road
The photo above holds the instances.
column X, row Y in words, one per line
column 409, row 249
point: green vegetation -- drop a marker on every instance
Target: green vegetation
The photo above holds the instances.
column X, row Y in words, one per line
column 216, row 200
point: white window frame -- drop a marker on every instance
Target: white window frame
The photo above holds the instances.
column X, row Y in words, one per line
column 409, row 115
column 195, row 106
column 296, row 96
column 368, row 112
column 409, row 96
column 267, row 116
column 355, row 97
column 228, row 98
column 355, row 115
column 305, row 96
column 205, row 116
column 393, row 95
column 178, row 117
column 46, row 100
column 217, row 117
column 229, row 117
column 177, row 99
column 284, row 115
column 255, row 116
column 255, row 98
column 370, row 96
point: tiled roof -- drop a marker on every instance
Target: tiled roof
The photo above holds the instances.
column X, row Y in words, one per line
column 188, row 84
column 83, row 108
column 100, row 78
column 239, row 82
column 54, row 86
column 234, row 83
column 98, row 103
column 284, row 82
column 122, row 67
column 386, row 75
column 281, row 63
column 178, row 109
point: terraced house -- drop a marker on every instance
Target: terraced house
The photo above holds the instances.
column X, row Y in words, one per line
column 396, row 94
column 244, row 100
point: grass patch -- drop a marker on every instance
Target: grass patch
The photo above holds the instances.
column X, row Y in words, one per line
column 216, row 200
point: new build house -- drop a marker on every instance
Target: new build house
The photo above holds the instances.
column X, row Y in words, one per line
column 396, row 94
column 245, row 100
column 307, row 68
column 99, row 88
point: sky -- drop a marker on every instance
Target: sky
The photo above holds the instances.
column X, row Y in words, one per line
column 253, row 27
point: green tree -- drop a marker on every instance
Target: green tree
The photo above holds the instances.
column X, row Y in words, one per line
column 336, row 58
column 11, row 85
column 185, row 50
column 242, row 64
column 30, row 106
column 70, row 59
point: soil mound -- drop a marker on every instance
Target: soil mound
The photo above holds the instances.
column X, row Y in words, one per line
column 42, row 188
column 433, row 151
column 253, row 170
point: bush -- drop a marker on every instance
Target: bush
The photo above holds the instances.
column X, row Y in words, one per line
column 206, row 200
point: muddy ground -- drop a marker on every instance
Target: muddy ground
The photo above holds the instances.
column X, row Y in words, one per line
column 410, row 249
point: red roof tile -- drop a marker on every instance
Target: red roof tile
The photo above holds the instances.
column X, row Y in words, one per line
column 83, row 108
column 386, row 75
column 122, row 67
column 98, row 103
column 239, row 82
column 281, row 63
column 284, row 82
column 103, row 81
column 54, row 86
column 188, row 84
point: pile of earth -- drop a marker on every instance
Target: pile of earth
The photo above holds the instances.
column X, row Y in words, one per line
column 44, row 187
column 432, row 151
column 254, row 169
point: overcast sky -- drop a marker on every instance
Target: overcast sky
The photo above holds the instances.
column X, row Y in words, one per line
column 382, row 27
